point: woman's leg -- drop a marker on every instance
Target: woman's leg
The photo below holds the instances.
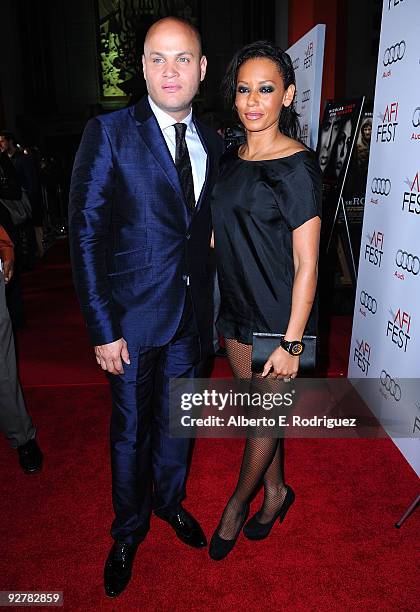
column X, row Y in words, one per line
column 239, row 356
column 274, row 487
column 259, row 454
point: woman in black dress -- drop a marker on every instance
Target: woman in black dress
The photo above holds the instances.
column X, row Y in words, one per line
column 266, row 214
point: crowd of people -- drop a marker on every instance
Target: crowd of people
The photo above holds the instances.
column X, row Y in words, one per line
column 20, row 220
column 30, row 219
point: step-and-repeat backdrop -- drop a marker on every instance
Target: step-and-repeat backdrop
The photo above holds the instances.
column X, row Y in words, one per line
column 307, row 56
column 385, row 341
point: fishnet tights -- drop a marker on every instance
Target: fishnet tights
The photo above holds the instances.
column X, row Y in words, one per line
column 262, row 460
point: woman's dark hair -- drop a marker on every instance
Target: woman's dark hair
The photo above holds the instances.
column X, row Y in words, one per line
column 288, row 120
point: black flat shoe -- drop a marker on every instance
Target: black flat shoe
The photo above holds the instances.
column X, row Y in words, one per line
column 186, row 528
column 220, row 548
column 254, row 530
column 118, row 568
column 30, row 457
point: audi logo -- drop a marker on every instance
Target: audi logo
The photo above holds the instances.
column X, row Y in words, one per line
column 381, row 186
column 408, row 262
column 368, row 302
column 416, row 117
column 395, row 53
column 391, row 386
column 296, row 63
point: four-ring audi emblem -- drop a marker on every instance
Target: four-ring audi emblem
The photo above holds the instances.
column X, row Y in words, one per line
column 391, row 386
column 368, row 302
column 381, row 186
column 395, row 53
column 407, row 261
column 416, row 117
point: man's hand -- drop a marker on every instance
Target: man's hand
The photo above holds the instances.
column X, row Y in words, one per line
column 110, row 356
column 7, row 270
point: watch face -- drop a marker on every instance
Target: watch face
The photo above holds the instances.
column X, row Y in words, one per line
column 297, row 348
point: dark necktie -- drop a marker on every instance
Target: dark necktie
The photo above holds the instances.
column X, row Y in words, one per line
column 183, row 166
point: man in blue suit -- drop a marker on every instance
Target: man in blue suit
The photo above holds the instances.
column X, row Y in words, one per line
column 140, row 230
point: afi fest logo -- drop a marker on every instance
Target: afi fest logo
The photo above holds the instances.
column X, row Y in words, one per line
column 304, row 133
column 385, row 131
column 393, row 54
column 367, row 304
column 374, row 248
column 361, row 356
column 416, row 123
column 398, row 329
column 309, row 53
column 407, row 262
column 306, row 96
column 380, row 187
column 296, row 63
column 389, row 387
column 392, row 3
column 411, row 198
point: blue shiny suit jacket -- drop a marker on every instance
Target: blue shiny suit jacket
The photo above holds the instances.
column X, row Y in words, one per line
column 133, row 242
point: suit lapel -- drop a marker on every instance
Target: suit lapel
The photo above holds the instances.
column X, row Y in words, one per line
column 150, row 132
column 152, row 136
column 209, row 163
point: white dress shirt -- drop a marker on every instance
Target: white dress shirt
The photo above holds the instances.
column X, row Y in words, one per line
column 198, row 155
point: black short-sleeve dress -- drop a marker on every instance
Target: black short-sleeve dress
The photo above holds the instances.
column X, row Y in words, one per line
column 255, row 206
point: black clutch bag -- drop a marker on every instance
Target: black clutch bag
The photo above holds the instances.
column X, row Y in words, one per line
column 263, row 344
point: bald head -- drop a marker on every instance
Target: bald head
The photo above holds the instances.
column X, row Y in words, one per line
column 173, row 23
column 173, row 65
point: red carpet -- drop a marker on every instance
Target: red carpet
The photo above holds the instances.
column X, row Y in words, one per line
column 337, row 549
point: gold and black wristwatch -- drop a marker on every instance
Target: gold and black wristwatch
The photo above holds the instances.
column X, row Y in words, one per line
column 294, row 347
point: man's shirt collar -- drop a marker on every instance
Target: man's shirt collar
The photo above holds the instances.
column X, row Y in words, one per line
column 164, row 120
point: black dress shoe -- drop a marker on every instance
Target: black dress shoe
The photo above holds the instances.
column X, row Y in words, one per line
column 118, row 566
column 186, row 527
column 254, row 530
column 220, row 548
column 30, row 457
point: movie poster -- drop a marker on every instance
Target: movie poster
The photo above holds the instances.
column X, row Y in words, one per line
column 335, row 145
column 355, row 185
column 336, row 137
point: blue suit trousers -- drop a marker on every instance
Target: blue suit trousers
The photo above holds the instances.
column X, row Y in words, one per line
column 148, row 467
